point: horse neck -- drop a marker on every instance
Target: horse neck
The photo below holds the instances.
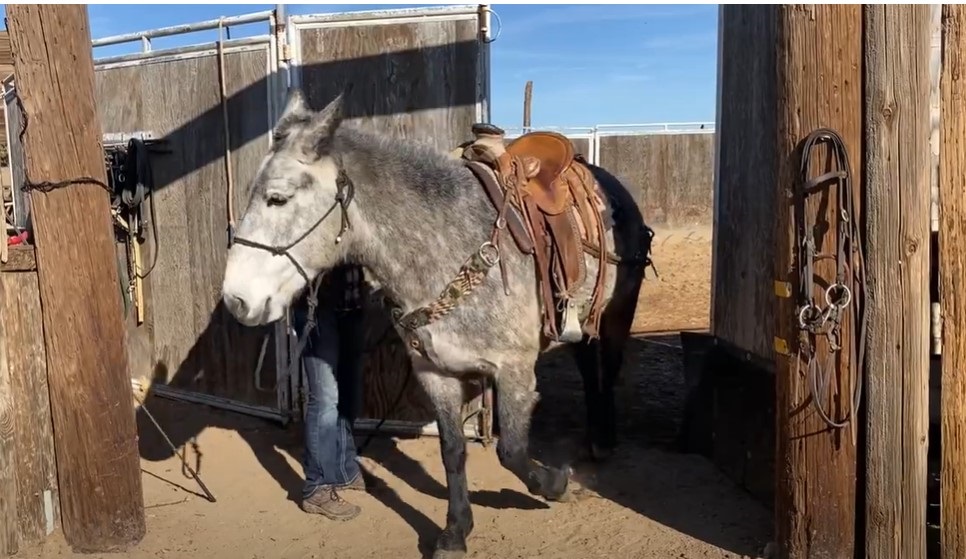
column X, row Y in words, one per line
column 417, row 227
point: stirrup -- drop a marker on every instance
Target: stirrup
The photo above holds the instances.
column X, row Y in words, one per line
column 570, row 319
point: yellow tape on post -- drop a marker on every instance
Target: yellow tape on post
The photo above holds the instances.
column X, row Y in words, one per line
column 781, row 346
column 783, row 289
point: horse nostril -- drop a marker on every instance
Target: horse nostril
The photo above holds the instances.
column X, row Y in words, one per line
column 236, row 305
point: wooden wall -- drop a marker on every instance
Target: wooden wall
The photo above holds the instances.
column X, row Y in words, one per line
column 29, row 503
column 582, row 147
column 671, row 177
column 671, row 173
column 187, row 340
column 429, row 95
column 744, row 233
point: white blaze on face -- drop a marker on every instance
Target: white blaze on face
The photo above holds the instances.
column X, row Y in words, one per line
column 258, row 284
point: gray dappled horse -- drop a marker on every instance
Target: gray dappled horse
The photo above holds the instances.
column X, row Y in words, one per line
column 411, row 215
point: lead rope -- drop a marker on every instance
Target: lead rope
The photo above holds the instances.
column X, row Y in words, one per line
column 229, row 177
column 815, row 320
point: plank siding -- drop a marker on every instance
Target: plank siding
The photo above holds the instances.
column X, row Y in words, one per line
column 188, row 341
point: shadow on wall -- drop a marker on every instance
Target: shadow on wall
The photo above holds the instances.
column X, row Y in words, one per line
column 324, row 81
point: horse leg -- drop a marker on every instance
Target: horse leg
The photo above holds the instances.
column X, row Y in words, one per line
column 600, row 363
column 446, row 394
column 587, row 354
column 611, row 359
column 516, row 395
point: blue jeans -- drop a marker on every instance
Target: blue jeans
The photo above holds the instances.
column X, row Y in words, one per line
column 332, row 368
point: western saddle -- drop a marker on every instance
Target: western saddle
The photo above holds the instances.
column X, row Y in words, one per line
column 552, row 205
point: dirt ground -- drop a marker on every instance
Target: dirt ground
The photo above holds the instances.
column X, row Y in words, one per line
column 648, row 502
column 679, row 296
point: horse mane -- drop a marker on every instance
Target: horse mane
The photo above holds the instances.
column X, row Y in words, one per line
column 413, row 164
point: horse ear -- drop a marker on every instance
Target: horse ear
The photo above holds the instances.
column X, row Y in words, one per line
column 296, row 112
column 327, row 121
column 295, row 103
column 320, row 130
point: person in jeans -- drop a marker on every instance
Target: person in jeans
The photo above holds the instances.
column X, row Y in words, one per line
column 331, row 359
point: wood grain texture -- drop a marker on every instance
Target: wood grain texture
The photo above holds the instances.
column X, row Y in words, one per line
column 819, row 85
column 581, row 146
column 9, row 515
column 188, row 341
column 21, row 259
column 897, row 172
column 396, row 69
column 37, row 502
column 671, row 175
column 117, row 118
column 952, row 262
column 745, row 196
column 102, row 505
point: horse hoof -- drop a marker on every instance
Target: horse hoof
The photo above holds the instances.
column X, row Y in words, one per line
column 449, row 554
column 558, row 489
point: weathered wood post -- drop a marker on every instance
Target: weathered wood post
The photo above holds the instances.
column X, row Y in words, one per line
column 952, row 239
column 897, row 187
column 527, row 100
column 29, row 501
column 102, row 505
column 819, row 73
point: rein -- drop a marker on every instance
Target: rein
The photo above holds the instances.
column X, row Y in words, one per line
column 815, row 319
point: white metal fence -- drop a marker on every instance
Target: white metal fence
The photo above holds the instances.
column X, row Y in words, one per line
column 592, row 134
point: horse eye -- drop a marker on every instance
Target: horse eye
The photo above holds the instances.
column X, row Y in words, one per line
column 276, row 200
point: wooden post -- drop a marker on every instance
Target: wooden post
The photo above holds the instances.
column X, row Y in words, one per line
column 952, row 238
column 897, row 172
column 527, row 100
column 95, row 435
column 28, row 475
column 819, row 85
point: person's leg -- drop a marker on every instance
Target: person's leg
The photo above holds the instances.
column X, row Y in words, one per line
column 325, row 440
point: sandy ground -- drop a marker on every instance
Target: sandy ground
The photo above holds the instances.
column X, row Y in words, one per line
column 649, row 502
column 679, row 296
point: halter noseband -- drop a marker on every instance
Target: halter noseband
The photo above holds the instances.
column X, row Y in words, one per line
column 343, row 197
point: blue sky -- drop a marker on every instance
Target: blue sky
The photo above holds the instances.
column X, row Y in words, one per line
column 627, row 63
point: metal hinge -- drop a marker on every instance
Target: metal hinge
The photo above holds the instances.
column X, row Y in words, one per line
column 286, row 52
column 936, row 328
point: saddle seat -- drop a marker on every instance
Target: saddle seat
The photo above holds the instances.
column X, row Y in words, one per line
column 554, row 213
column 545, row 156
